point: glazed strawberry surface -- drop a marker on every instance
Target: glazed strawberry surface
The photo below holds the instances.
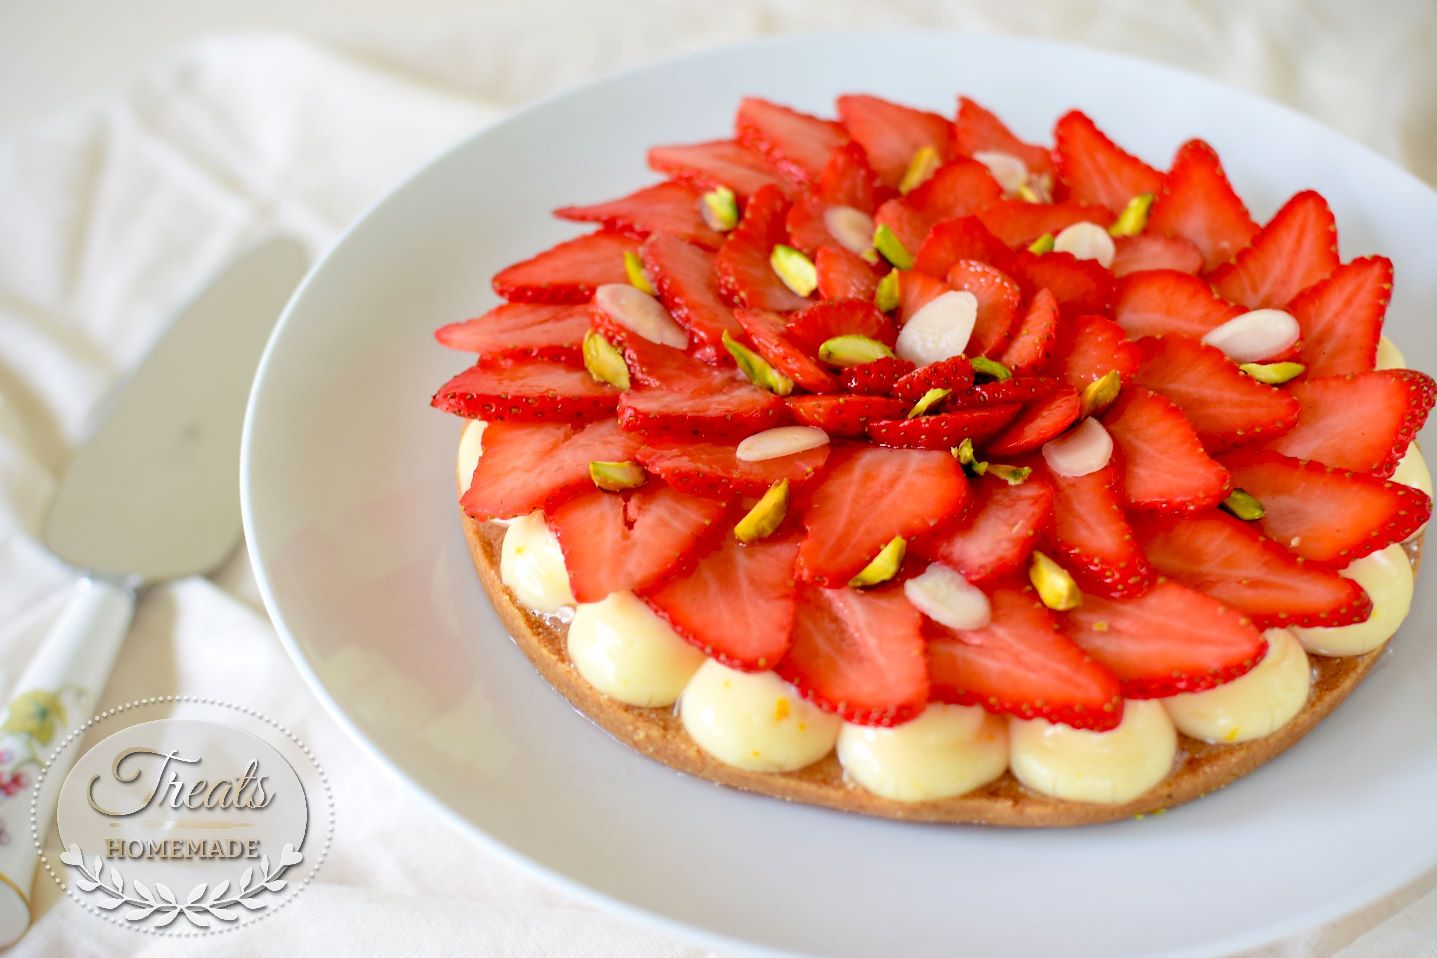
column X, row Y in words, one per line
column 1175, row 588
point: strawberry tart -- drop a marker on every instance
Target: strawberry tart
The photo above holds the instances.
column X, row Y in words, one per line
column 895, row 464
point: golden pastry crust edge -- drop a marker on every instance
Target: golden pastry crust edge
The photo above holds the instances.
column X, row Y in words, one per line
column 658, row 734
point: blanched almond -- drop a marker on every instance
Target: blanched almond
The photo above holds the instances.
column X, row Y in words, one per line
column 783, row 441
column 940, row 329
column 1086, row 241
column 1255, row 336
column 638, row 311
column 947, row 598
column 1081, row 452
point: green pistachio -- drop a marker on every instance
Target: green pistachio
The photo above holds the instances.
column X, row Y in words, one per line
column 604, row 362
column 1055, row 586
column 766, row 516
column 1274, row 374
column 927, row 401
column 983, row 366
column 756, row 368
column 888, row 243
column 1101, row 392
column 1133, row 218
column 1012, row 475
column 884, row 565
column 1043, row 244
column 963, row 452
column 852, row 349
column 1244, row 505
column 719, row 208
column 795, row 269
column 921, row 167
column 885, row 297
column 617, row 476
column 634, row 268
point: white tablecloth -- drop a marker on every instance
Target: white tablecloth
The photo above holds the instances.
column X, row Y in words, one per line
column 114, row 210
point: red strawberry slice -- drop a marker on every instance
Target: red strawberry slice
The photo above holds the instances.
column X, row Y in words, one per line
column 1226, row 560
column 954, row 373
column 805, row 224
column 822, row 321
column 717, row 163
column 1168, row 640
column 1090, row 347
column 768, row 333
column 1093, row 538
column 1019, row 389
column 1020, row 664
column 998, row 531
column 569, row 272
column 683, row 277
column 848, row 180
column 738, row 604
column 1079, row 285
column 843, row 275
column 796, row 143
column 1197, row 202
column 1036, row 335
column 944, row 430
column 705, row 404
column 878, row 377
column 1160, row 302
column 959, row 188
column 1327, row 515
column 632, row 540
column 859, row 654
column 1298, row 247
column 526, row 389
column 998, row 299
column 650, row 363
column 1097, row 170
column 506, row 483
column 1226, row 407
column 978, row 131
column 714, row 469
column 952, row 241
column 663, row 208
column 1018, row 222
column 1038, row 423
column 745, row 274
column 1341, row 317
column 844, row 415
column 510, row 329
column 1164, row 465
column 1148, row 251
column 916, row 290
column 868, row 496
column 1362, row 422
column 906, row 223
column 891, row 134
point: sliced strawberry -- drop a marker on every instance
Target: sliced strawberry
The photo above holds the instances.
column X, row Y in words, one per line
column 714, row 469
column 1020, row 664
column 510, row 329
column 859, row 654
column 979, row 131
column 954, row 373
column 1149, row 251
column 1093, row 538
column 768, row 333
column 906, row 223
column 671, row 208
column 848, row 180
column 916, row 290
column 1090, row 347
column 868, row 496
column 891, row 134
column 1197, row 202
column 878, row 377
column 1298, row 247
column 1226, row 407
column 1038, row 423
column 1160, row 302
column 998, row 300
column 1363, row 421
column 805, row 224
column 1341, row 317
column 510, row 481
column 796, row 143
column 1036, row 335
column 526, row 389
column 822, row 321
column 569, row 272
column 1223, row 558
column 1168, row 640
column 1164, row 466
column 998, row 531
column 1021, row 389
column 844, row 275
column 952, row 241
column 633, row 540
column 1079, row 285
column 650, row 363
column 844, row 415
column 1323, row 514
column 717, row 163
column 1018, row 222
column 944, row 430
column 1097, row 170
column 738, row 604
column 959, row 188
column 704, row 404
column 683, row 277
column 745, row 274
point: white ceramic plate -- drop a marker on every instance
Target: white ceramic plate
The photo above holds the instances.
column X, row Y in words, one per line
column 349, row 506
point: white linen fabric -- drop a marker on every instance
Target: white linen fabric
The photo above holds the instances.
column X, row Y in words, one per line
column 112, row 212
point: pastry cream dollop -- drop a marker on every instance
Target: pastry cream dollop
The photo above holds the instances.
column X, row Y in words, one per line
column 1252, row 705
column 754, row 720
column 948, row 750
column 622, row 648
column 1085, row 766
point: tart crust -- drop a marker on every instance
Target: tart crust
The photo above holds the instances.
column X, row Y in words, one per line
column 659, row 734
